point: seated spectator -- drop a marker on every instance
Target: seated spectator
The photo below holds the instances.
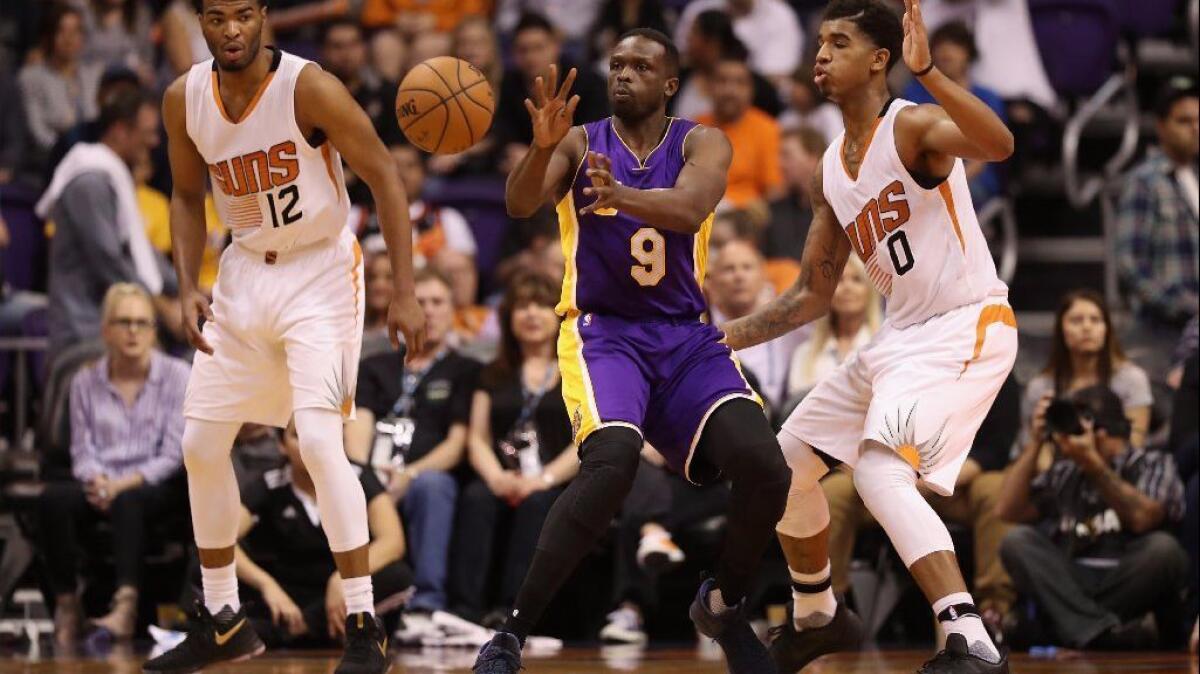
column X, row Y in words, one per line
column 182, row 39
column 617, row 17
column 712, row 37
column 1086, row 351
column 800, row 152
column 113, row 79
column 1098, row 559
column 290, row 564
column 435, row 228
column 344, row 54
column 973, row 505
column 953, row 50
column 738, row 285
column 255, row 451
column 769, row 28
column 126, row 425
column 389, row 54
column 377, row 273
column 521, row 451
column 417, row 16
column 806, row 107
column 118, row 33
column 474, row 41
column 411, row 427
column 59, row 91
column 535, row 47
column 1158, row 233
column 572, row 19
column 855, row 314
column 754, row 175
column 100, row 234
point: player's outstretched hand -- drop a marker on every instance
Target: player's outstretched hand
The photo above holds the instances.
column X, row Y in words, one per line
column 604, row 187
column 916, row 41
column 406, row 318
column 195, row 305
column 550, row 110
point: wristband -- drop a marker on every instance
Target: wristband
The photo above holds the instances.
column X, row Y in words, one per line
column 928, row 69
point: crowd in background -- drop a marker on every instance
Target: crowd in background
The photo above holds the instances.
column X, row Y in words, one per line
column 463, row 450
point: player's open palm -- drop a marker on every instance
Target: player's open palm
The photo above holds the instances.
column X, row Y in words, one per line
column 550, row 109
column 195, row 306
column 916, row 40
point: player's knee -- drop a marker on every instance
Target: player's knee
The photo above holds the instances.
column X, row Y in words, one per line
column 200, row 455
column 612, row 453
column 881, row 472
column 765, row 469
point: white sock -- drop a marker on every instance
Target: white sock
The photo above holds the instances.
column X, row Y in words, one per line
column 979, row 642
column 812, row 610
column 359, row 594
column 220, row 588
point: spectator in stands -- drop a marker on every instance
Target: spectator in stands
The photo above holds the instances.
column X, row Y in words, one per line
column 737, row 287
column 808, row 108
column 754, row 175
column 417, row 16
column 1098, row 559
column 854, row 317
column 437, row 230
column 100, row 235
column 519, row 444
column 952, row 47
column 617, row 17
column 800, row 151
column 710, row 39
column 973, row 505
column 255, row 451
column 535, row 47
column 59, row 91
column 389, row 54
column 182, row 40
column 344, row 53
column 114, row 79
column 769, row 28
column 126, row 425
column 1158, row 233
column 377, row 274
column 118, row 33
column 571, row 19
column 1086, row 351
column 474, row 41
column 289, row 563
column 411, row 427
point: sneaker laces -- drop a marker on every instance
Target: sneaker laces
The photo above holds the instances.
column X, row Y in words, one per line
column 360, row 642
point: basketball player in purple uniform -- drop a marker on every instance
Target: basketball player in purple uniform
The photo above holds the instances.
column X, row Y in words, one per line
column 635, row 195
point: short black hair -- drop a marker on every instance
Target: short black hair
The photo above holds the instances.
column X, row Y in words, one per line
column 874, row 18
column 956, row 32
column 533, row 21
column 1175, row 90
column 672, row 52
column 715, row 25
column 50, row 23
column 735, row 51
column 199, row 4
column 122, row 107
column 340, row 22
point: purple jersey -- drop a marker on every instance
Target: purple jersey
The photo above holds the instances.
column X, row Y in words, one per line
column 618, row 264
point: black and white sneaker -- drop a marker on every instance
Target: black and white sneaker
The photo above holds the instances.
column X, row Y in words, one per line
column 225, row 637
column 792, row 650
column 366, row 646
column 744, row 653
column 958, row 659
column 501, row 655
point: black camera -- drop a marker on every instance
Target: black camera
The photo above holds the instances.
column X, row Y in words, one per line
column 1064, row 416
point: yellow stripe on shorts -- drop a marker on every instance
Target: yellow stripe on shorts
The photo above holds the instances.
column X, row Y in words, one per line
column 576, row 382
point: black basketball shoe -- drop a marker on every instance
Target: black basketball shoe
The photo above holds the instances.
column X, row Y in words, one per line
column 366, row 646
column 792, row 650
column 501, row 655
column 957, row 659
column 744, row 653
column 225, row 637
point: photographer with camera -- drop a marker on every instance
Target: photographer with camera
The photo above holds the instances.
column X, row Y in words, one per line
column 1091, row 551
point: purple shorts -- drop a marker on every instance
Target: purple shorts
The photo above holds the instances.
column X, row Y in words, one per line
column 661, row 377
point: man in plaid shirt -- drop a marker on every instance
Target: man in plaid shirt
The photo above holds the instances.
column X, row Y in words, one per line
column 1157, row 228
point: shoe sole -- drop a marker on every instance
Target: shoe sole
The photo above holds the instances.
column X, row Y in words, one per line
column 262, row 648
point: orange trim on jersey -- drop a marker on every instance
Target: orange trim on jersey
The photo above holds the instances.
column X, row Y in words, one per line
column 911, row 455
column 216, row 88
column 348, row 401
column 991, row 314
column 948, row 199
column 842, row 150
column 327, row 155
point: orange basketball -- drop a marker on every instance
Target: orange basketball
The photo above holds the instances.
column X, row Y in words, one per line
column 444, row 105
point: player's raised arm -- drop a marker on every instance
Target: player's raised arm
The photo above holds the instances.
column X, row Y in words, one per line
column 555, row 149
column 189, row 174
column 825, row 253
column 682, row 208
column 963, row 126
column 322, row 102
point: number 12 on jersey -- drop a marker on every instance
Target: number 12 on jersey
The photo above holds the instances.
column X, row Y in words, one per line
column 283, row 209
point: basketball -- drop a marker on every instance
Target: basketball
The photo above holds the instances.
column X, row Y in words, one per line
column 444, row 105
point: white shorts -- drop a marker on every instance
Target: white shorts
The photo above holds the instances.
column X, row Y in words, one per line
column 287, row 335
column 923, row 391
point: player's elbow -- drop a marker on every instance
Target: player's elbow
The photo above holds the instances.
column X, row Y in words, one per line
column 518, row 209
column 1002, row 147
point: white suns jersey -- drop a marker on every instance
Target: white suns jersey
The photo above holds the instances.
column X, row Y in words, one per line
column 272, row 188
column 922, row 248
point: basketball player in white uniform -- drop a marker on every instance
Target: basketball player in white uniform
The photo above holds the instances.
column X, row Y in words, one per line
column 284, row 330
column 904, row 409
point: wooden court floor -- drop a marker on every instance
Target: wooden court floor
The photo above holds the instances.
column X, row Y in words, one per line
column 603, row 661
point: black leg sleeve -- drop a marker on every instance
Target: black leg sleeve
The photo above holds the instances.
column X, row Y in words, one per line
column 608, row 462
column 739, row 442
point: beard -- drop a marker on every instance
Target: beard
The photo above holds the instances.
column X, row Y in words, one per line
column 247, row 58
